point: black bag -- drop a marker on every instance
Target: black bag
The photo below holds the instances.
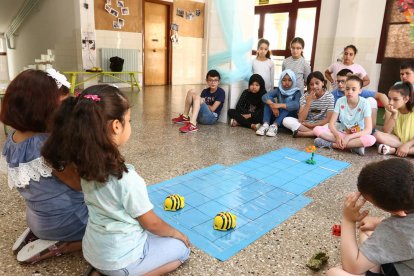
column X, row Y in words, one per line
column 116, row 64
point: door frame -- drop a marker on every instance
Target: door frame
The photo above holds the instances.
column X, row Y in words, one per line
column 167, row 31
column 292, row 8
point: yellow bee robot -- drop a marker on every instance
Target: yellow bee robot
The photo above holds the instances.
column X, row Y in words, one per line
column 224, row 221
column 174, row 203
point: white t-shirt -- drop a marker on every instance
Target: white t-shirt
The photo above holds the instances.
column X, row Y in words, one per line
column 266, row 69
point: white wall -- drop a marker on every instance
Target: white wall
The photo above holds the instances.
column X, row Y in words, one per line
column 239, row 30
column 52, row 25
column 344, row 22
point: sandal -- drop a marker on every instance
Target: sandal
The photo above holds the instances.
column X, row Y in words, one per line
column 383, row 149
column 34, row 251
column 26, row 237
column 233, row 123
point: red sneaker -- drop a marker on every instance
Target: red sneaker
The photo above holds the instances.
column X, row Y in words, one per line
column 180, row 119
column 188, row 128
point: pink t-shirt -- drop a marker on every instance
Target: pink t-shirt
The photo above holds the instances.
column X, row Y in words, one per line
column 338, row 66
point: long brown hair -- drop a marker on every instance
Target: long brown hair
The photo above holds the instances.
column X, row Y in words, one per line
column 30, row 101
column 81, row 135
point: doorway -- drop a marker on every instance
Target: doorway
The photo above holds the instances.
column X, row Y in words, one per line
column 157, row 50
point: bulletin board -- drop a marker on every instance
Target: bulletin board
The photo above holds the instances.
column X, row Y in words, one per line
column 185, row 16
column 130, row 18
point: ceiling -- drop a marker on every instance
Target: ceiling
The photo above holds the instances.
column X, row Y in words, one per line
column 8, row 10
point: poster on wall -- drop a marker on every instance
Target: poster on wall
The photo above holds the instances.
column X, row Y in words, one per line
column 88, row 49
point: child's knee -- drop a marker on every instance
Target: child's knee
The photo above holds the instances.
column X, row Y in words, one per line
column 318, row 130
column 368, row 140
column 291, row 123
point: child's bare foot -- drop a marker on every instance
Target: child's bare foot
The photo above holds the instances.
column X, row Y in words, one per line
column 255, row 126
column 233, row 123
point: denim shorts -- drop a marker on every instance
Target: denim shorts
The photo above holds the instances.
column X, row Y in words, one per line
column 206, row 116
column 158, row 251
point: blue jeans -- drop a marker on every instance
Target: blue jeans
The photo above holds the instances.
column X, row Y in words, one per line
column 158, row 251
column 269, row 118
column 206, row 116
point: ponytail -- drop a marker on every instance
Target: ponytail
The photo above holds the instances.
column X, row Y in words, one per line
column 81, row 134
column 406, row 90
column 53, row 150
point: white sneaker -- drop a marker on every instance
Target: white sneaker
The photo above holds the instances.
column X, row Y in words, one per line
column 262, row 130
column 271, row 132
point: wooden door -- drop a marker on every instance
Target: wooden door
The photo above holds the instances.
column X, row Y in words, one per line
column 156, row 51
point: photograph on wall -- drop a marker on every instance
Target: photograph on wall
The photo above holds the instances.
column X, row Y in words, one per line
column 125, row 11
column 88, row 49
column 108, row 2
column 116, row 25
column 189, row 15
column 114, row 12
column 108, row 8
column 197, row 12
column 180, row 12
column 120, row 3
column 121, row 22
column 174, row 27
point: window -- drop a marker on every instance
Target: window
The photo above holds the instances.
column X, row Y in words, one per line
column 279, row 21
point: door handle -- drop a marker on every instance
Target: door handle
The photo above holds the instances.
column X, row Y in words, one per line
column 154, row 50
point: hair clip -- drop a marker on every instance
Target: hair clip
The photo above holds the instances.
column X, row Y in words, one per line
column 94, row 98
column 59, row 78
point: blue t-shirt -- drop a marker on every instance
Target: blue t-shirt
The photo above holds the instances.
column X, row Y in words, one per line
column 114, row 238
column 210, row 98
column 54, row 211
column 352, row 119
column 364, row 94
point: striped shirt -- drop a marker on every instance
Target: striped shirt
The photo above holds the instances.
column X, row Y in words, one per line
column 319, row 107
column 300, row 67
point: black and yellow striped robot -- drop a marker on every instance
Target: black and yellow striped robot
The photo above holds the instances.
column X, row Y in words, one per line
column 224, row 221
column 174, row 203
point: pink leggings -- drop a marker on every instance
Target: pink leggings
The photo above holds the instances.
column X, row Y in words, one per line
column 366, row 140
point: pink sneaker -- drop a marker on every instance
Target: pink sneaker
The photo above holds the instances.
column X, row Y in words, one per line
column 180, row 119
column 189, row 127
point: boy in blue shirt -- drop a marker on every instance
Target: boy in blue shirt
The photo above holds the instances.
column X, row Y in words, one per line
column 206, row 107
column 371, row 96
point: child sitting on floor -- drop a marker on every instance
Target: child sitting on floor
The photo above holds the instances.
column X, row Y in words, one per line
column 398, row 135
column 56, row 213
column 249, row 108
column 316, row 107
column 371, row 96
column 387, row 246
column 355, row 127
column 206, row 107
column 280, row 103
column 123, row 235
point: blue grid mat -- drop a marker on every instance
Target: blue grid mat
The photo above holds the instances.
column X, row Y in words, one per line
column 262, row 192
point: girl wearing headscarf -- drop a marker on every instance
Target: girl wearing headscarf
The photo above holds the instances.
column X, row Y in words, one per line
column 281, row 102
column 249, row 108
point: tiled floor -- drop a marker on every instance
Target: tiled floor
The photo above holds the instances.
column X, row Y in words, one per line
column 160, row 152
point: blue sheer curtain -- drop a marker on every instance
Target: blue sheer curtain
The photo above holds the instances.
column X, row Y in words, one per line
column 238, row 49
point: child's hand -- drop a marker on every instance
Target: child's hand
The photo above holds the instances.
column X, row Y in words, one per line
column 369, row 223
column 402, row 151
column 352, row 207
column 275, row 112
column 392, row 109
column 180, row 236
column 340, row 142
column 311, row 96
